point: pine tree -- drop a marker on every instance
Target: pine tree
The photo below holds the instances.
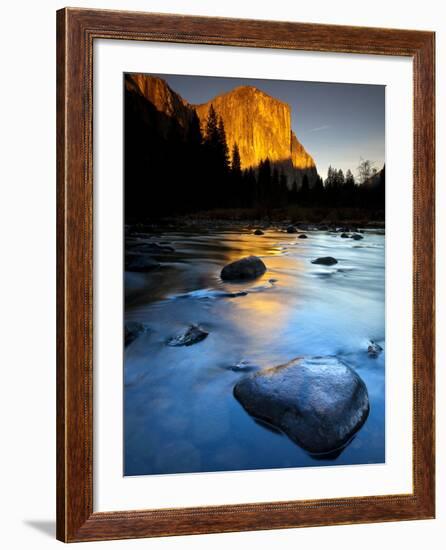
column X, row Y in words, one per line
column 304, row 193
column 349, row 178
column 237, row 190
column 212, row 126
column 250, row 189
column 283, row 189
column 264, row 183
column 294, row 194
column 223, row 146
column 236, row 163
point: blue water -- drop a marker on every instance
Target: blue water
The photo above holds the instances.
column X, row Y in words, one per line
column 180, row 413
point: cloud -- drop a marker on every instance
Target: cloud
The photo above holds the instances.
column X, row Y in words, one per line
column 320, row 128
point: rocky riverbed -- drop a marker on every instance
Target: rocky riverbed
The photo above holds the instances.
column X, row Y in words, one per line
column 193, row 335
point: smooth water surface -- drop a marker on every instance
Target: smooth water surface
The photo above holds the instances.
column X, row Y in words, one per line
column 180, row 412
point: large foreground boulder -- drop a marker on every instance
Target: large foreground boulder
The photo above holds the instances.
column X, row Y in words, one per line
column 319, row 402
column 246, row 268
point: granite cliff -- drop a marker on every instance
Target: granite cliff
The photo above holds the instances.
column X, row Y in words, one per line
column 261, row 127
column 259, row 124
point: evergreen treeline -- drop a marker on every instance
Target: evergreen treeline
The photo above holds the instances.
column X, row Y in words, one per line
column 176, row 169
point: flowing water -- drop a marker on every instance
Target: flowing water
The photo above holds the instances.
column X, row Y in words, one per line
column 180, row 412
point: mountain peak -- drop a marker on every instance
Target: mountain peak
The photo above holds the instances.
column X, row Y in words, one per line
column 258, row 123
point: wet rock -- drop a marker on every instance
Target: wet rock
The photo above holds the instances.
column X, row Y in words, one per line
column 326, row 260
column 234, row 294
column 140, row 263
column 132, row 329
column 302, row 236
column 291, row 229
column 246, row 268
column 193, row 335
column 357, row 236
column 258, row 232
column 319, row 402
column 344, row 235
column 243, row 366
column 374, row 349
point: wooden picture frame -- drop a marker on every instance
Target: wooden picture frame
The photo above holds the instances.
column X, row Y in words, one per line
column 77, row 29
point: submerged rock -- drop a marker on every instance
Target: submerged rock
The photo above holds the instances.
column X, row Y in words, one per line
column 193, row 335
column 140, row 262
column 243, row 366
column 302, row 236
column 246, row 268
column 374, row 349
column 132, row 329
column 357, row 236
column 291, row 229
column 326, row 260
column 319, row 402
column 258, row 232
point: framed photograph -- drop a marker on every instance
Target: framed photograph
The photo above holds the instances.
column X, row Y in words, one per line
column 245, row 275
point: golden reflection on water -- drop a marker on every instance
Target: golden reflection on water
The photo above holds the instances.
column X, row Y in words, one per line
column 265, row 312
column 239, row 245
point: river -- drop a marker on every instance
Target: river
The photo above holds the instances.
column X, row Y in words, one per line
column 180, row 413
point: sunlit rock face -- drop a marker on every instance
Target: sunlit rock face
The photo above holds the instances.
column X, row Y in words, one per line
column 259, row 124
column 300, row 158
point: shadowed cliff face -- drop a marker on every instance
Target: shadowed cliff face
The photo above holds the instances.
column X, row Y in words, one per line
column 161, row 96
column 259, row 124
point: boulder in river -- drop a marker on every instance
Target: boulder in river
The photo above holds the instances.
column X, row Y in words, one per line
column 132, row 329
column 246, row 268
column 374, row 349
column 258, row 232
column 319, row 402
column 357, row 236
column 193, row 335
column 326, row 260
column 344, row 235
column 291, row 229
column 302, row 236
